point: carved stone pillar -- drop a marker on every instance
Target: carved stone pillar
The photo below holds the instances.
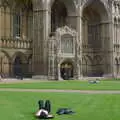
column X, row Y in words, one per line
column 111, row 49
column 86, row 32
column 51, row 59
column 40, row 36
column 114, row 47
column 79, row 43
column 107, row 36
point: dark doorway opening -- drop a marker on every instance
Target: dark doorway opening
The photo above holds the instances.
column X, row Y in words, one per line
column 17, row 69
column 66, row 70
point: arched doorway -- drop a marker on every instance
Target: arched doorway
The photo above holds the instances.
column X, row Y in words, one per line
column 20, row 65
column 95, row 32
column 66, row 70
column 17, row 66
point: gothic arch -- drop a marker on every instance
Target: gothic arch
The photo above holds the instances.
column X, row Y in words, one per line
column 6, row 54
column 95, row 14
column 97, row 59
column 19, row 64
column 67, row 69
column 22, row 55
column 103, row 7
column 58, row 15
column 89, row 59
column 70, row 5
column 69, row 12
column 4, row 63
column 66, row 59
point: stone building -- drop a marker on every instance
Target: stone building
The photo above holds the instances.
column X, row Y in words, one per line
column 60, row 39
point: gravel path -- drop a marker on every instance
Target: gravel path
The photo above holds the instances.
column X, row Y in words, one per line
column 65, row 91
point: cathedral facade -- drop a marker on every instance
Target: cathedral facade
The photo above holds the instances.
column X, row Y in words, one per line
column 60, row 39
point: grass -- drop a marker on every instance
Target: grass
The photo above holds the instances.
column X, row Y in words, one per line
column 75, row 85
column 23, row 105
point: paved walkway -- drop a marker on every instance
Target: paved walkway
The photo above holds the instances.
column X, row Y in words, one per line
column 13, row 80
column 65, row 91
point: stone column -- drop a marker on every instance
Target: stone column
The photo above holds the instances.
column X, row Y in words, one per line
column 7, row 17
column 103, row 39
column 0, row 22
column 111, row 48
column 59, row 74
column 108, row 48
column 79, row 43
column 114, row 48
column 11, row 65
column 86, row 32
column 40, row 36
column 51, row 59
column 115, row 32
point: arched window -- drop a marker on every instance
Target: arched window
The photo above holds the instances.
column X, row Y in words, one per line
column 58, row 15
column 23, row 20
column 16, row 25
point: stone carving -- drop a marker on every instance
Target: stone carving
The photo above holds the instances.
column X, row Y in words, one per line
column 67, row 44
column 66, row 30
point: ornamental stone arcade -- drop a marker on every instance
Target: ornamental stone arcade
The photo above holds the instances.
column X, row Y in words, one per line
column 60, row 39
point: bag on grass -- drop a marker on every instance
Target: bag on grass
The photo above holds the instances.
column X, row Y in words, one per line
column 62, row 111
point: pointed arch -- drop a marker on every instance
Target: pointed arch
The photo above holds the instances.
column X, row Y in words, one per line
column 20, row 54
column 58, row 15
column 97, row 59
column 4, row 64
column 67, row 69
column 68, row 9
column 103, row 8
column 20, row 64
column 70, row 5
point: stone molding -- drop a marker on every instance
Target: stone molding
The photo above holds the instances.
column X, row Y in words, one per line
column 66, row 30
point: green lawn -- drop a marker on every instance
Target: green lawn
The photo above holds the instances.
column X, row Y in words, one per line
column 23, row 105
column 75, row 85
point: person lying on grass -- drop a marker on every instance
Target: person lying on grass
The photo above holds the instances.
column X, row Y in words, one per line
column 43, row 114
column 44, row 110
